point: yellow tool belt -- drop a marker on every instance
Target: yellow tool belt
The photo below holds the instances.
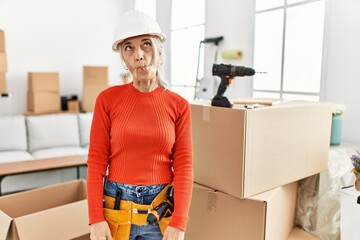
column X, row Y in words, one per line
column 132, row 213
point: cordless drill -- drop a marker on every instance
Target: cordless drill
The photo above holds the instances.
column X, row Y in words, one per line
column 227, row 73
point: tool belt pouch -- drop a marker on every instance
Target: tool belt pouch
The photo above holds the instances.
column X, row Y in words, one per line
column 119, row 222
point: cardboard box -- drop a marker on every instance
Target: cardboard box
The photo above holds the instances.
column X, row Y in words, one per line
column 53, row 212
column 43, row 101
column 244, row 152
column 90, row 93
column 2, row 41
column 3, row 88
column 3, row 62
column 350, row 213
column 73, row 105
column 43, row 82
column 215, row 215
column 95, row 75
column 300, row 234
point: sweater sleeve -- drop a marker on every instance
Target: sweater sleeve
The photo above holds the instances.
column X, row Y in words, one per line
column 183, row 167
column 98, row 158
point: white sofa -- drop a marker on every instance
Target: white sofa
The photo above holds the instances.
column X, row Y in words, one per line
column 42, row 136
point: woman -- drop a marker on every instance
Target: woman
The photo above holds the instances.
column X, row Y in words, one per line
column 140, row 136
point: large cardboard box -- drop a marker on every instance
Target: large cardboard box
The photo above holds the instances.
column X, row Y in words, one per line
column 43, row 101
column 244, row 152
column 215, row 215
column 350, row 213
column 3, row 88
column 2, row 41
column 53, row 212
column 95, row 75
column 43, row 82
column 3, row 62
column 90, row 93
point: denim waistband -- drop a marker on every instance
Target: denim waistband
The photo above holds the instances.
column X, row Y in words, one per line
column 134, row 190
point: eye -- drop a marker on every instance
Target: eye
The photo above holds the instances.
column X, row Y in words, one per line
column 127, row 47
column 147, row 43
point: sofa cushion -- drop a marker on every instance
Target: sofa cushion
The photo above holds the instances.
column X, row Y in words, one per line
column 54, row 130
column 14, row 156
column 85, row 120
column 13, row 133
column 59, row 152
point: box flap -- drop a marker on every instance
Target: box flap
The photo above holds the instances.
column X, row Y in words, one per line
column 64, row 222
column 16, row 205
column 5, row 222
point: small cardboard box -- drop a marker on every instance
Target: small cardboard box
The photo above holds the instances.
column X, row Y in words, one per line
column 244, row 152
column 2, row 41
column 3, row 88
column 43, row 101
column 350, row 213
column 95, row 75
column 43, row 82
column 90, row 93
column 54, row 212
column 3, row 62
column 73, row 105
column 215, row 215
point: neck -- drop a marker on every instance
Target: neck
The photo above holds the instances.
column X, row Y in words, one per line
column 146, row 86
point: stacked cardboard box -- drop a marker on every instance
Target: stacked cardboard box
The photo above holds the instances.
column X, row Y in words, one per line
column 54, row 212
column 247, row 154
column 95, row 80
column 3, row 63
column 43, row 92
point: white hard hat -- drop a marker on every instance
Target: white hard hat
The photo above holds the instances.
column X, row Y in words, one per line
column 135, row 23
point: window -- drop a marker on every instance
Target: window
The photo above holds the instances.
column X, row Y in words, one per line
column 288, row 45
column 187, row 30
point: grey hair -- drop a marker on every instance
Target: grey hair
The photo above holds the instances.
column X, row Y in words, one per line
column 160, row 75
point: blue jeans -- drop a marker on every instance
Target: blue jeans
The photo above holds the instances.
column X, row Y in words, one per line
column 140, row 195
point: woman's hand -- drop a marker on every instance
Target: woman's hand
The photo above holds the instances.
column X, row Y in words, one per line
column 172, row 233
column 100, row 231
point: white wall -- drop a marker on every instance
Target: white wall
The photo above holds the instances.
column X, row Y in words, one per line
column 59, row 36
column 235, row 21
column 342, row 64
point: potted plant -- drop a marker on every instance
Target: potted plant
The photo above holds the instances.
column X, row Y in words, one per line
column 355, row 160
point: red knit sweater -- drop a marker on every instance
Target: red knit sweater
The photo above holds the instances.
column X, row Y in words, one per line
column 145, row 139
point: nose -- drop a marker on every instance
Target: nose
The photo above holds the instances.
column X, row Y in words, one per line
column 139, row 54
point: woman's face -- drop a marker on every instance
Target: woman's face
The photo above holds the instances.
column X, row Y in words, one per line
column 141, row 57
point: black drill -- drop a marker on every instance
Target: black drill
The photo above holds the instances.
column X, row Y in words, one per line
column 227, row 73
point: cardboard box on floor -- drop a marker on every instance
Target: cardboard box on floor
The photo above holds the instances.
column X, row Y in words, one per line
column 244, row 152
column 215, row 215
column 43, row 82
column 53, row 212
